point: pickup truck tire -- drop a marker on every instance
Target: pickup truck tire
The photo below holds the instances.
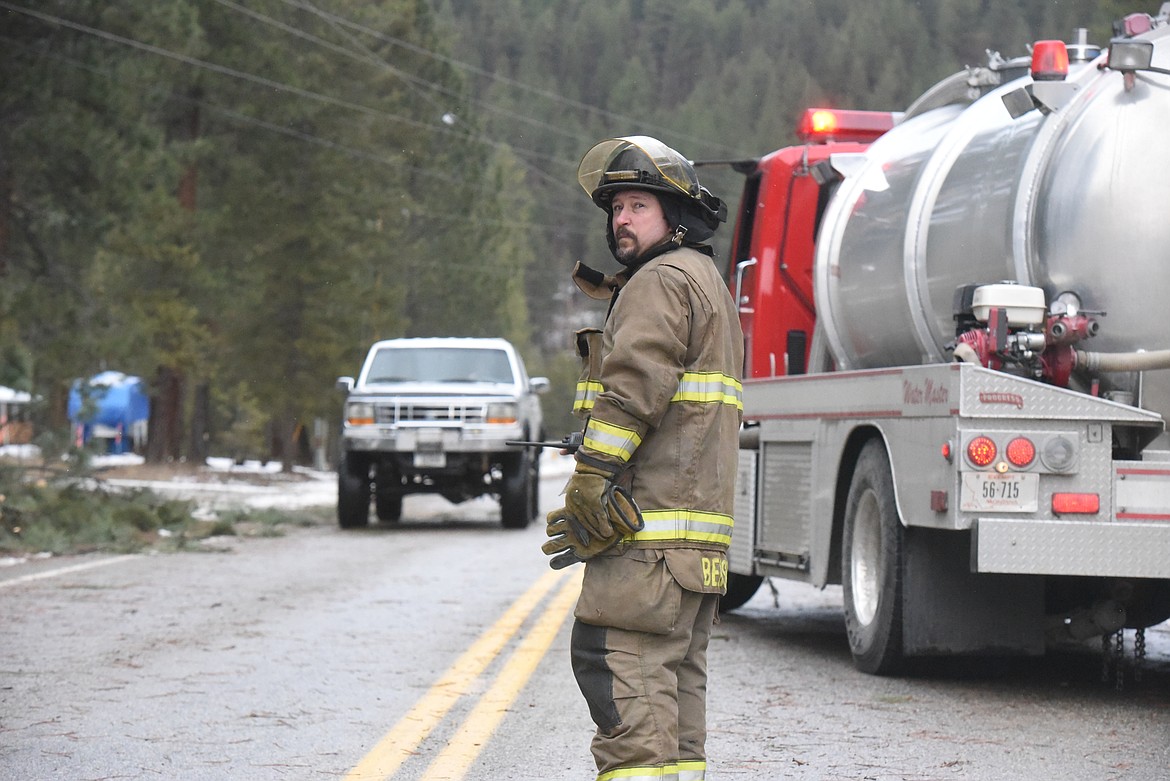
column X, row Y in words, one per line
column 518, row 491
column 871, row 565
column 387, row 506
column 387, row 494
column 353, row 493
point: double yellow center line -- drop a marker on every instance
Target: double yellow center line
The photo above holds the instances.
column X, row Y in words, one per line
column 452, row 763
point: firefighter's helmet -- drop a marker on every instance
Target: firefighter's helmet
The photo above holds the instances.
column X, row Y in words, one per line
column 645, row 163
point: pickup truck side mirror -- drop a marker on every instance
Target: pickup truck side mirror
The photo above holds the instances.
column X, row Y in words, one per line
column 345, row 384
column 538, row 384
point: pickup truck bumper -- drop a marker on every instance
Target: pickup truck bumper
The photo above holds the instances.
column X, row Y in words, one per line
column 468, row 439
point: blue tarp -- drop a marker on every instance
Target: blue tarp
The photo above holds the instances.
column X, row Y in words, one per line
column 119, row 410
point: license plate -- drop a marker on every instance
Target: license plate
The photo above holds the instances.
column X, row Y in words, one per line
column 430, row 460
column 1006, row 493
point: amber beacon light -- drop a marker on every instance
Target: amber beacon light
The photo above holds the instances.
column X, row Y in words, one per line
column 1049, row 61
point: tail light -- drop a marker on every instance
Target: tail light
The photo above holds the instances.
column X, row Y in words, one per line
column 1059, row 454
column 981, row 451
column 1021, row 452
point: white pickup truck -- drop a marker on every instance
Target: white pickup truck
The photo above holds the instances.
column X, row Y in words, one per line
column 433, row 416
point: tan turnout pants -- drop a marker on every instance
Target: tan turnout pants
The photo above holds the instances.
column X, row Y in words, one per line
column 647, row 690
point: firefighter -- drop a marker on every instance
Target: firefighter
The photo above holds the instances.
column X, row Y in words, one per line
column 649, row 505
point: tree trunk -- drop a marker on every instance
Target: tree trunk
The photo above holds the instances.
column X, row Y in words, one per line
column 165, row 437
column 200, row 424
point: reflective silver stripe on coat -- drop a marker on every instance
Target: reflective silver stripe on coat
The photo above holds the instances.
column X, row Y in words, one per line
column 611, row 440
column 587, row 391
column 710, row 388
column 685, row 525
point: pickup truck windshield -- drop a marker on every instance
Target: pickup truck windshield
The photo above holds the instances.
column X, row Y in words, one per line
column 440, row 364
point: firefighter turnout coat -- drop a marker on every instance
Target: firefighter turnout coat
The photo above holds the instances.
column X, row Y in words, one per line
column 664, row 403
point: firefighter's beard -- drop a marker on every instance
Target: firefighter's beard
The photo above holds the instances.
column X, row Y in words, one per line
column 628, row 251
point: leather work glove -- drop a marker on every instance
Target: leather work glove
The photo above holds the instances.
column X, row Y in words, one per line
column 596, row 503
column 569, row 542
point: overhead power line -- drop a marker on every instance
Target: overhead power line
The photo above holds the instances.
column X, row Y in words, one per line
column 270, row 83
column 236, row 116
column 365, row 55
column 547, row 94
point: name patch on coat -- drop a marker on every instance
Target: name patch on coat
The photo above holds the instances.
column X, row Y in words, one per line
column 715, row 572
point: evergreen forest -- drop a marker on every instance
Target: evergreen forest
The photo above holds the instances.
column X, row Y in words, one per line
column 233, row 198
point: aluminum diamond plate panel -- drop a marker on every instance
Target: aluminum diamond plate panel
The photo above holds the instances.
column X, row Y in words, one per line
column 1101, row 549
column 994, row 394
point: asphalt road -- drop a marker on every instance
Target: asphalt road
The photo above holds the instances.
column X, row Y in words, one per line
column 437, row 648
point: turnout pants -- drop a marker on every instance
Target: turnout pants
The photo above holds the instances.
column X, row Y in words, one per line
column 641, row 664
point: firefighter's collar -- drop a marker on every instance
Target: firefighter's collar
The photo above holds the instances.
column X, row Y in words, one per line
column 595, row 284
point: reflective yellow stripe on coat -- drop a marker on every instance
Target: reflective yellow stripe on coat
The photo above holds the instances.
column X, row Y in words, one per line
column 695, row 388
column 710, row 388
column 691, row 770
column 688, row 525
column 587, row 391
column 611, row 440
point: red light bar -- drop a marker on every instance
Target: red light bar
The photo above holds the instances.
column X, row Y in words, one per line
column 1049, row 61
column 1076, row 503
column 821, row 125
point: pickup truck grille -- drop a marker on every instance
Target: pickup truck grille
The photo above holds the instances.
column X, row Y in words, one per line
column 430, row 411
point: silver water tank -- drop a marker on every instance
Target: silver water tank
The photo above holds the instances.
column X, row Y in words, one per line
column 1077, row 199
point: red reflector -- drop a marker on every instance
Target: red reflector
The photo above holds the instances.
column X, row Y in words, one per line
column 819, row 125
column 981, row 451
column 1076, row 503
column 1049, row 61
column 1021, row 452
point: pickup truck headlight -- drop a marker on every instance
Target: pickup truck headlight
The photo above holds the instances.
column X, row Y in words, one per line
column 359, row 413
column 501, row 412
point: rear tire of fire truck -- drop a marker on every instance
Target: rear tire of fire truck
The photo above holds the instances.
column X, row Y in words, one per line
column 518, row 491
column 353, row 492
column 740, row 588
column 871, row 565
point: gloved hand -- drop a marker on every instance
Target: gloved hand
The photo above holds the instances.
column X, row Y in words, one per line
column 600, row 506
column 570, row 543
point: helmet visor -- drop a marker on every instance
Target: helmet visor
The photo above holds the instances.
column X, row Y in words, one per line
column 670, row 169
